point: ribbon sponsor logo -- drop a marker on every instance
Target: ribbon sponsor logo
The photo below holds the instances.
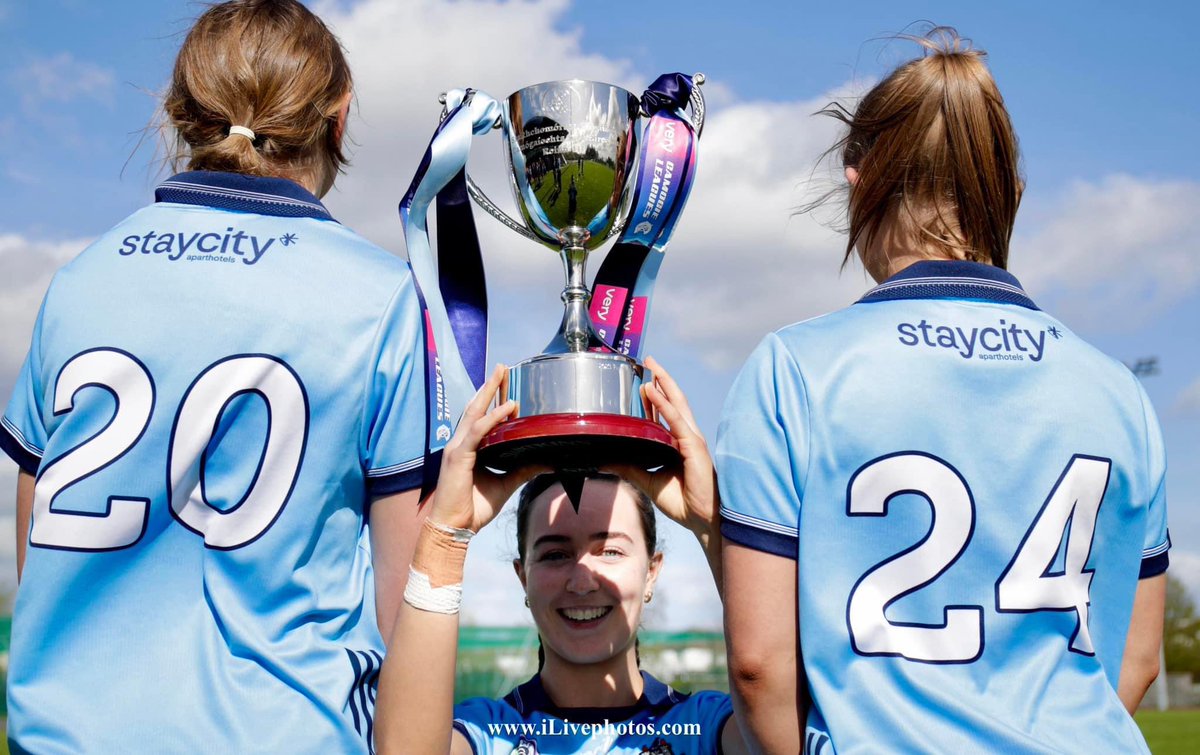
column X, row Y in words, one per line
column 607, row 305
column 635, row 319
column 230, row 246
column 660, row 188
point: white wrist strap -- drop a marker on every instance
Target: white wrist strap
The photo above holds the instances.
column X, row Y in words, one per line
column 420, row 594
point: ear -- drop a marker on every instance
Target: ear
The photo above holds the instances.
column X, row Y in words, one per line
column 656, row 562
column 343, row 113
column 519, row 568
column 851, row 175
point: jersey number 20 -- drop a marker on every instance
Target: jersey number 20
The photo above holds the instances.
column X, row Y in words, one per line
column 196, row 420
column 1027, row 584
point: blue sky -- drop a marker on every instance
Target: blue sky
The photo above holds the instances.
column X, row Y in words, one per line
column 1101, row 94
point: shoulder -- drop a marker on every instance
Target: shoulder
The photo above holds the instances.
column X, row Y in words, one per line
column 707, row 703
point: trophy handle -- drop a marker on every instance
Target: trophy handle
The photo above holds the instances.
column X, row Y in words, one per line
column 482, row 199
column 697, row 103
column 490, row 208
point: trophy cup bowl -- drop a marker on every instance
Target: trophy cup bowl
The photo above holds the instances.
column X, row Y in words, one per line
column 572, row 151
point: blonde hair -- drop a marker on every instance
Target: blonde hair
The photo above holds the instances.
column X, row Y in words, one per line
column 268, row 65
column 936, row 153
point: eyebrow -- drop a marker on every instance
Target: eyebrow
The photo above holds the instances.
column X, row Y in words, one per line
column 594, row 536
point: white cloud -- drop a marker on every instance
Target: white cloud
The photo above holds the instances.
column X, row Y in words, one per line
column 739, row 266
column 404, row 54
column 1114, row 253
column 1189, row 398
column 62, row 78
column 28, row 265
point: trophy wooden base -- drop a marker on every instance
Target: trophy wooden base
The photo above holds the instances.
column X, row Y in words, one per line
column 578, row 442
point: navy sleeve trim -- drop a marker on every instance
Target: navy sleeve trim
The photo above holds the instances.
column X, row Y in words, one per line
column 395, row 483
column 25, row 459
column 1154, row 565
column 761, row 540
column 462, row 729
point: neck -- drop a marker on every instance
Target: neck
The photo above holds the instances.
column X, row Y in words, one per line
column 611, row 683
column 892, row 250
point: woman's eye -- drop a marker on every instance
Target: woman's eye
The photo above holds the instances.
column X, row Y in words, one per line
column 552, row 556
column 612, row 553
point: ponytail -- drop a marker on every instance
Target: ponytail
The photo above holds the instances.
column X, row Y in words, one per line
column 270, row 66
column 936, row 154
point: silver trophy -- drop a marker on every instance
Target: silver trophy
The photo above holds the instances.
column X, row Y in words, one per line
column 572, row 148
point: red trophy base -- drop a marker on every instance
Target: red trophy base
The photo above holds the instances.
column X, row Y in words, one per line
column 577, row 442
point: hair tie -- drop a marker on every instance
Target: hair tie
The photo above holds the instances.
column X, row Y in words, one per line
column 242, row 131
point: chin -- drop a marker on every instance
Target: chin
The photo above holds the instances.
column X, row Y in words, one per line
column 588, row 650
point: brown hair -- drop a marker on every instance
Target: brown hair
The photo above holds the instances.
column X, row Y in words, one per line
column 936, row 153
column 543, row 482
column 271, row 66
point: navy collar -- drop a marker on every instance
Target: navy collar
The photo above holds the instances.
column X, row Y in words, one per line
column 239, row 193
column 531, row 696
column 951, row 279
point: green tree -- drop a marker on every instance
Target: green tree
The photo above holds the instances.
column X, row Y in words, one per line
column 1181, row 630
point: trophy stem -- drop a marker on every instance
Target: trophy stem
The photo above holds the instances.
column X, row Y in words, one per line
column 576, row 333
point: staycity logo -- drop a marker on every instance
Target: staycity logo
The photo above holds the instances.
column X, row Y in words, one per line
column 199, row 246
column 1005, row 341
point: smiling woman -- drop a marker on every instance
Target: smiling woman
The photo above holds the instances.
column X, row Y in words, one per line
column 587, row 572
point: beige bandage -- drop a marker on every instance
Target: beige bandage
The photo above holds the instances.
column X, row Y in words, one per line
column 441, row 553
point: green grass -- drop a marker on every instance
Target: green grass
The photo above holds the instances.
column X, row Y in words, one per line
column 1171, row 731
column 593, row 188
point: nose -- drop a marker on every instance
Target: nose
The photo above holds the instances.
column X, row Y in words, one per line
column 582, row 578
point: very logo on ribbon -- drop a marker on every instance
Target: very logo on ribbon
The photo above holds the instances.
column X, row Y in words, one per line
column 625, row 282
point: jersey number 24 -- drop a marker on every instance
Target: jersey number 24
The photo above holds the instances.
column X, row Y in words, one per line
column 1027, row 584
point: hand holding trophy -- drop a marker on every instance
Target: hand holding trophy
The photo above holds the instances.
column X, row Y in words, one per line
column 583, row 170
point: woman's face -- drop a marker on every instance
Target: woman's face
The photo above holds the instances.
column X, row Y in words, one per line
column 587, row 573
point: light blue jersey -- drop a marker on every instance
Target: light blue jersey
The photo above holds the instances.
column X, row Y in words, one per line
column 215, row 389
column 971, row 493
column 527, row 722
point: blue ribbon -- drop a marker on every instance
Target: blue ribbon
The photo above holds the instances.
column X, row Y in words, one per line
column 453, row 294
column 665, row 175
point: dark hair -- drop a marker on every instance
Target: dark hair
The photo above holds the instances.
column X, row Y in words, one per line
column 935, row 152
column 271, row 66
column 544, row 482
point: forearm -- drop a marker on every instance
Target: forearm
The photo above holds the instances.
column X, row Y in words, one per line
column 1143, row 644
column 765, row 699
column 415, row 705
column 414, row 710
column 765, row 671
column 1136, row 678
column 710, row 543
column 25, row 483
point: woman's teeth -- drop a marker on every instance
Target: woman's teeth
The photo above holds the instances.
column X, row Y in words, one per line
column 584, row 614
